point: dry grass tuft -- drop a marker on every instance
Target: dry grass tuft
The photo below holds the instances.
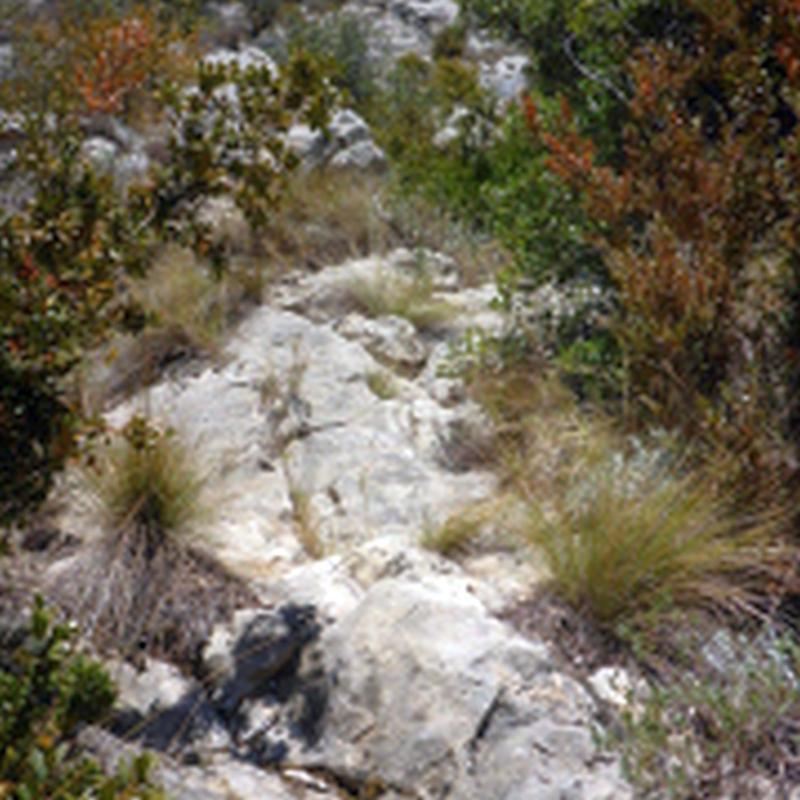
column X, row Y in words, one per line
column 147, row 479
column 326, row 218
column 189, row 310
column 306, row 526
column 625, row 526
column 622, row 538
column 473, row 528
column 386, row 294
column 143, row 585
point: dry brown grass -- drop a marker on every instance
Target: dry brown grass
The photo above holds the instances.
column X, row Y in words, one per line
column 306, row 525
column 624, row 526
column 144, row 584
column 326, row 218
column 477, row 527
column 189, row 311
column 412, row 298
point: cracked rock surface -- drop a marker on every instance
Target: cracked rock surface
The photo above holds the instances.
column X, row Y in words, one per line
column 379, row 667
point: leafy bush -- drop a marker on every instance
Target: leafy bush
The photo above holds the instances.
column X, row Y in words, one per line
column 486, row 175
column 451, row 41
column 579, row 50
column 698, row 227
column 100, row 57
column 47, row 691
column 67, row 255
column 418, row 97
column 339, row 40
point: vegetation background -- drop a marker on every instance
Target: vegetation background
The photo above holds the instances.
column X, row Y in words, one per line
column 651, row 173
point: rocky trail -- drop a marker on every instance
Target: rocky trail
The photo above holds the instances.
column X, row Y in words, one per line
column 371, row 666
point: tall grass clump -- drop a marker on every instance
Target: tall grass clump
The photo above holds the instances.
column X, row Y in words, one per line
column 144, row 584
column 621, row 539
column 147, row 480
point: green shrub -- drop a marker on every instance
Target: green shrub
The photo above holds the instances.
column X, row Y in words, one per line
column 340, row 41
column 47, row 690
column 697, row 228
column 451, row 41
column 579, row 50
column 66, row 257
column 490, row 178
column 700, row 732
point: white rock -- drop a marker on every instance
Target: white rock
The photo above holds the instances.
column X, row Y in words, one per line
column 388, row 339
column 451, row 129
column 101, row 153
column 328, row 585
column 431, row 15
column 367, row 466
column 614, row 686
column 435, row 697
column 156, row 687
column 506, row 78
column 347, row 128
column 364, row 156
column 131, row 167
column 12, row 125
column 305, row 142
column 245, row 58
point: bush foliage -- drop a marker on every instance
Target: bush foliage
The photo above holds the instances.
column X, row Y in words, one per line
column 47, row 690
column 67, row 252
column 697, row 225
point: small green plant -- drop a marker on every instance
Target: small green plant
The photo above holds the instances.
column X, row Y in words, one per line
column 47, row 690
column 700, row 732
column 382, row 385
column 148, row 480
column 620, row 538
